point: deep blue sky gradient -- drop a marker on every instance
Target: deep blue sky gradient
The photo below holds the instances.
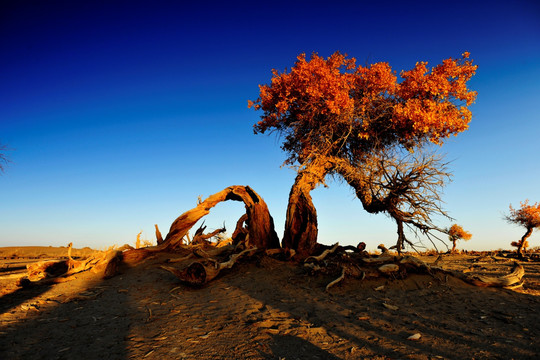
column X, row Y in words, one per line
column 119, row 114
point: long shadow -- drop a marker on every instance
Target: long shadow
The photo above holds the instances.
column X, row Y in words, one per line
column 387, row 331
column 20, row 296
column 292, row 347
column 301, row 305
column 58, row 323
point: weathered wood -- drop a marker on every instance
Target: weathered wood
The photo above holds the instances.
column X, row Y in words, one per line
column 324, row 254
column 41, row 272
column 70, row 245
column 201, row 237
column 261, row 224
column 43, row 269
column 348, row 270
column 378, row 259
column 507, row 281
column 339, row 279
column 135, row 256
column 241, row 232
column 383, row 249
column 159, row 238
column 184, row 258
column 199, row 273
column 388, row 268
column 512, row 280
column 301, row 220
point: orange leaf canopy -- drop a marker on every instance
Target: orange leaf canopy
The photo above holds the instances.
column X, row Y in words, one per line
column 527, row 215
column 334, row 107
column 457, row 232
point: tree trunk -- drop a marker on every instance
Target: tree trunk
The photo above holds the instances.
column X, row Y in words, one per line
column 401, row 236
column 240, row 232
column 453, row 246
column 301, row 222
column 261, row 225
column 522, row 242
column 159, row 238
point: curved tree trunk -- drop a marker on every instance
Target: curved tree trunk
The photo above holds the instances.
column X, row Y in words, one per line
column 240, row 232
column 522, row 242
column 261, row 233
column 301, row 222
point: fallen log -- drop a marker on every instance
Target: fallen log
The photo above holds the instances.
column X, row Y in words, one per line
column 45, row 272
column 382, row 259
column 324, row 254
column 510, row 281
column 388, row 265
column 199, row 273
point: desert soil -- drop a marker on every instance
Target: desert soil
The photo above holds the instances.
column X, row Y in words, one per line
column 268, row 309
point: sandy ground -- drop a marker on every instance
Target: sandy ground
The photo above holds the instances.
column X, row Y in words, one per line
column 267, row 309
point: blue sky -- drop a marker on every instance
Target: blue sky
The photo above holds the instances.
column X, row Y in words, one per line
column 119, row 114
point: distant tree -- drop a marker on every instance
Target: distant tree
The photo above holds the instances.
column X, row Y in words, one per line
column 527, row 216
column 455, row 233
column 336, row 117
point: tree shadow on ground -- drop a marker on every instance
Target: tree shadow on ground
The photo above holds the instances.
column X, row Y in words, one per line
column 455, row 320
column 20, row 296
column 80, row 319
column 266, row 311
column 292, row 347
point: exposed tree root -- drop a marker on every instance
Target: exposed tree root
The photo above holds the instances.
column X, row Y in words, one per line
column 254, row 230
column 199, row 273
column 256, row 226
column 399, row 266
column 342, row 276
column 510, row 281
column 324, row 254
column 47, row 272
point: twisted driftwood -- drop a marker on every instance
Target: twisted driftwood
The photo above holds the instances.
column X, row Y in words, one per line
column 46, row 272
column 389, row 265
column 261, row 231
column 258, row 233
column 199, row 273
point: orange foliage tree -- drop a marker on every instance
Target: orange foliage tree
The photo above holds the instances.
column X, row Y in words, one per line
column 527, row 216
column 334, row 116
column 456, row 233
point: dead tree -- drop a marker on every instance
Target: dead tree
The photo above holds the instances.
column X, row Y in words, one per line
column 405, row 186
column 260, row 234
column 241, row 231
column 200, row 237
column 199, row 273
column 261, row 225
